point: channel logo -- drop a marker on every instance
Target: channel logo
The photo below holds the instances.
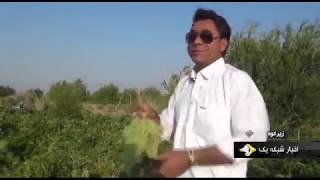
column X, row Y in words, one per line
column 248, row 150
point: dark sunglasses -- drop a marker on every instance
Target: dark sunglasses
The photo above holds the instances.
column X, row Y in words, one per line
column 205, row 35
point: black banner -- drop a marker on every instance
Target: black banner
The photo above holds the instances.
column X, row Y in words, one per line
column 277, row 149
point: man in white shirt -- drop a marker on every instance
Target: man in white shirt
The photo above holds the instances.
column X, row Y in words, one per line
column 211, row 108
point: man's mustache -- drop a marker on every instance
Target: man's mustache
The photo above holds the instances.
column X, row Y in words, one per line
column 198, row 47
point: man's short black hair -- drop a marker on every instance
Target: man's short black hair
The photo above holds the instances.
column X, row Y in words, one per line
column 220, row 22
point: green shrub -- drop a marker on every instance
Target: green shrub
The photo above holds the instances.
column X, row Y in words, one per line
column 40, row 145
column 66, row 99
column 108, row 94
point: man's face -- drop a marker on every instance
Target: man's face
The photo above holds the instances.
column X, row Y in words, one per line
column 202, row 51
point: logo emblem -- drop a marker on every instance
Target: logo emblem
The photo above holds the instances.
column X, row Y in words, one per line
column 248, row 149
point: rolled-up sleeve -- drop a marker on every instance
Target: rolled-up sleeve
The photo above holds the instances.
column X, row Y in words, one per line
column 248, row 115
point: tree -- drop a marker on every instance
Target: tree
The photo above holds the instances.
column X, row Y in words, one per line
column 66, row 98
column 82, row 88
column 108, row 94
column 151, row 92
column 37, row 92
column 6, row 91
column 285, row 66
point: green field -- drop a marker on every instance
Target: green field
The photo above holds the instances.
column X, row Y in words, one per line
column 40, row 145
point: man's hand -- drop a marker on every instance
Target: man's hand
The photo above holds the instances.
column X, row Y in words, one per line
column 174, row 163
column 144, row 110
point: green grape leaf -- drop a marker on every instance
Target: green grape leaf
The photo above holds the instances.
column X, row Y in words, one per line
column 141, row 136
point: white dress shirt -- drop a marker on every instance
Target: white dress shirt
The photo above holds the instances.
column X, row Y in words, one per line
column 215, row 107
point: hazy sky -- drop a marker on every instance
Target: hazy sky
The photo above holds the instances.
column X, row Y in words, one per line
column 130, row 44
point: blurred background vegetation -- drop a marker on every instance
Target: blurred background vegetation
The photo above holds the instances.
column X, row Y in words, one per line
column 71, row 132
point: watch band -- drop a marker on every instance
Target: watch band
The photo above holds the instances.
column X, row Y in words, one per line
column 191, row 157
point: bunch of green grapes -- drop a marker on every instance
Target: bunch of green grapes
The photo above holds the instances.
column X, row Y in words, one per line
column 141, row 136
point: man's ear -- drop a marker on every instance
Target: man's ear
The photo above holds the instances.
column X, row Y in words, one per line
column 223, row 45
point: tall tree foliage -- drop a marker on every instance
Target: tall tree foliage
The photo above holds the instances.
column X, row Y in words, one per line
column 285, row 66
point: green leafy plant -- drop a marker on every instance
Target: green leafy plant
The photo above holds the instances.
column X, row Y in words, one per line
column 108, row 94
column 140, row 136
column 66, row 98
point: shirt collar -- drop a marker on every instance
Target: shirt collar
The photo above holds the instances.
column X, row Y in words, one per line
column 206, row 72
